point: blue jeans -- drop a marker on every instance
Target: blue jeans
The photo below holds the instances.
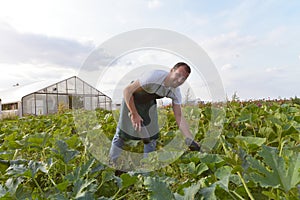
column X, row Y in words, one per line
column 118, row 143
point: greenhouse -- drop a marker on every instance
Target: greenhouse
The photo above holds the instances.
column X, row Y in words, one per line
column 44, row 97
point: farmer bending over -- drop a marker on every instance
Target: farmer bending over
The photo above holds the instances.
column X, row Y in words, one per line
column 138, row 115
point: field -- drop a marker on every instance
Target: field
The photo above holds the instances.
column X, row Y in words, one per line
column 252, row 152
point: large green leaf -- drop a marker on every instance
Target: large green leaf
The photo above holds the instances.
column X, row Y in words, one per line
column 16, row 170
column 190, row 192
column 12, row 184
column 37, row 140
column 82, row 188
column 63, row 185
column 159, row 190
column 192, row 169
column 245, row 116
column 80, row 171
column 222, row 174
column 107, row 176
column 2, row 191
column 187, row 168
column 12, row 141
column 211, row 158
column 23, row 193
column 250, row 141
column 86, row 167
column 209, row 192
column 64, row 152
column 128, row 180
column 274, row 171
column 35, row 166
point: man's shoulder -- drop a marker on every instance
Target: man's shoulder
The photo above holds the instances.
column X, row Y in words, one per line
column 152, row 77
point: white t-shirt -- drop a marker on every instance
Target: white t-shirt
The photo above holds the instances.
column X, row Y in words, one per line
column 153, row 82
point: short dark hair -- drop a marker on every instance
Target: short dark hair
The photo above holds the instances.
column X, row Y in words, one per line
column 186, row 66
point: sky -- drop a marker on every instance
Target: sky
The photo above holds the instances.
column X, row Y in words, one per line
column 253, row 44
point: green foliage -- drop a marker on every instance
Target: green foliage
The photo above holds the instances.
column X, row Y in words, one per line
column 276, row 172
column 255, row 156
column 159, row 190
column 296, row 100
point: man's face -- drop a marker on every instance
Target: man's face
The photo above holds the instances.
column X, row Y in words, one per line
column 178, row 76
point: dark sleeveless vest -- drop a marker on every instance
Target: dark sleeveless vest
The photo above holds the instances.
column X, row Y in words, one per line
column 146, row 106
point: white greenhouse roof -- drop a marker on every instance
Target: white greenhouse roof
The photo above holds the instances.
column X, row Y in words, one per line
column 16, row 93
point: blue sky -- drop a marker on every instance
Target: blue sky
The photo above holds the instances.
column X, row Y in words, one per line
column 253, row 44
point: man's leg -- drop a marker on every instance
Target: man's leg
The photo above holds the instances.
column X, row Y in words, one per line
column 149, row 147
column 116, row 148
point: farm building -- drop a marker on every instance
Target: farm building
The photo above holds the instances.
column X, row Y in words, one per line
column 46, row 97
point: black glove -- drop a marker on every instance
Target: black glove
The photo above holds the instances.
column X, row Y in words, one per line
column 193, row 146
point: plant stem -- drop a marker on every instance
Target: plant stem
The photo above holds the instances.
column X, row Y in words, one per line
column 114, row 197
column 121, row 197
column 52, row 181
column 66, row 169
column 231, row 195
column 100, row 186
column 15, row 154
column 245, row 186
column 239, row 196
column 239, row 174
column 224, row 147
column 39, row 187
column 281, row 144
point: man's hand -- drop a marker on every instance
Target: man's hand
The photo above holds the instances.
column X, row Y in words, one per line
column 136, row 121
column 193, row 146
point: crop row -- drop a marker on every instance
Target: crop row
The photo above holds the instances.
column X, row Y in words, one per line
column 251, row 151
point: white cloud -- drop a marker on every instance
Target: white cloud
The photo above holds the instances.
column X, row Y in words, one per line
column 241, row 38
column 226, row 47
column 76, row 19
column 17, row 47
column 153, row 4
column 258, row 84
column 194, row 19
column 277, row 36
column 274, row 69
column 228, row 67
column 28, row 73
column 243, row 13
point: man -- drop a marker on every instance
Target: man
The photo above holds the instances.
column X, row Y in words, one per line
column 138, row 114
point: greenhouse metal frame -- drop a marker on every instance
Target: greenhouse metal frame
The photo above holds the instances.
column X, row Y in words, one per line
column 71, row 93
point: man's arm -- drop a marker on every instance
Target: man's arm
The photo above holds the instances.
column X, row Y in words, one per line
column 184, row 128
column 136, row 119
column 181, row 122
